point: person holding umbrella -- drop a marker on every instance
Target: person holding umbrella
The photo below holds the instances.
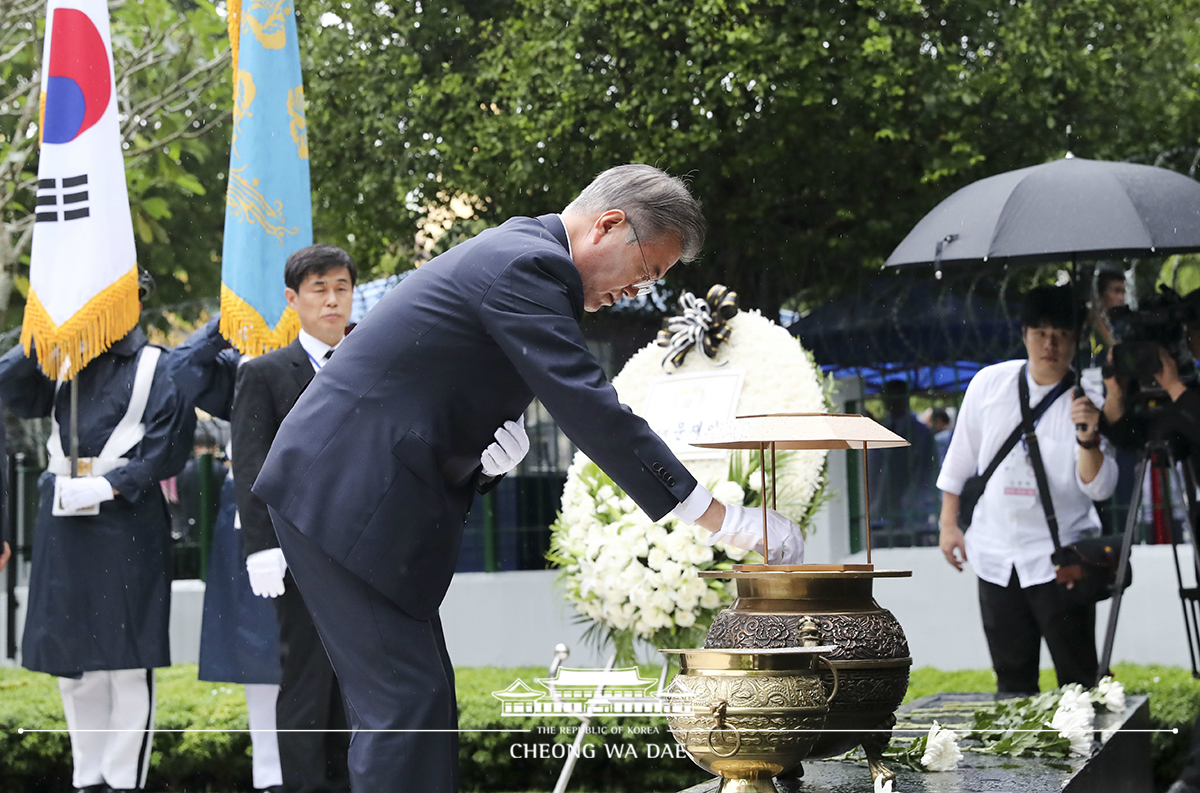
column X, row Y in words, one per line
column 1009, row 543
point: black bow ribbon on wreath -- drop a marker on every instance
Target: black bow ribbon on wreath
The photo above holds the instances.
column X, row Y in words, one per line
column 700, row 323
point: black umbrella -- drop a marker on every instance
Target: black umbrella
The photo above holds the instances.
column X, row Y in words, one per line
column 1063, row 210
column 1057, row 211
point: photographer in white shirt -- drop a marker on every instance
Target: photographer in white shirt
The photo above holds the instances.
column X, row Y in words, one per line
column 1009, row 543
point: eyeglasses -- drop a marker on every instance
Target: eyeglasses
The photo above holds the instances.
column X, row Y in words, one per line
column 648, row 281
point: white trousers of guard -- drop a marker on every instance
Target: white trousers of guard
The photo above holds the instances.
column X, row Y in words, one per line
column 110, row 716
column 260, row 703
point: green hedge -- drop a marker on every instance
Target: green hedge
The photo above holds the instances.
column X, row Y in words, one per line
column 220, row 761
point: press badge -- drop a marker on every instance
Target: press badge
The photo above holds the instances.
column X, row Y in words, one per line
column 59, row 511
column 1017, row 480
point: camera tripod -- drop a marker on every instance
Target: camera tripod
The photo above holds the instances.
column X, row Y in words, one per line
column 1158, row 466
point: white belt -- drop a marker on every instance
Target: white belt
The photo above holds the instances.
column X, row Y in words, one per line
column 88, row 466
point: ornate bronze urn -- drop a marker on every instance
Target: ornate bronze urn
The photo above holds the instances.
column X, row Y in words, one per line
column 864, row 660
column 870, row 652
column 752, row 714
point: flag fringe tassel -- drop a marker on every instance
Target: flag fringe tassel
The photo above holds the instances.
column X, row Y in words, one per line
column 248, row 331
column 102, row 321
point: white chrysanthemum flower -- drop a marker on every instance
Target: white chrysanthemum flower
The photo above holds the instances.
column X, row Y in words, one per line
column 672, row 573
column 734, row 553
column 1076, row 725
column 1110, row 694
column 729, row 492
column 685, row 618
column 1074, row 696
column 941, row 749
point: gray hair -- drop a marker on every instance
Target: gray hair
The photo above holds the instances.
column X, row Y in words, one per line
column 656, row 204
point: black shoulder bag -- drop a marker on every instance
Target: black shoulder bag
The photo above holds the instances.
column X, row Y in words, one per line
column 1085, row 570
column 973, row 488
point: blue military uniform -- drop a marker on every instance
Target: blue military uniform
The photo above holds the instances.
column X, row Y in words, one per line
column 239, row 634
column 100, row 585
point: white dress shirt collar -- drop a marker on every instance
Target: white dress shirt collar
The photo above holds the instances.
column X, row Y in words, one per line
column 316, row 349
column 568, row 235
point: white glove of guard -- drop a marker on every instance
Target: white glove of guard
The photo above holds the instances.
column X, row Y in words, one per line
column 266, row 569
column 83, row 492
column 743, row 528
column 511, row 446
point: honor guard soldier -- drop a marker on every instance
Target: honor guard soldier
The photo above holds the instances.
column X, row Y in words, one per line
column 100, row 585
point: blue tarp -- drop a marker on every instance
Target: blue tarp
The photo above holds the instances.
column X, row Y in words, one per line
column 943, row 378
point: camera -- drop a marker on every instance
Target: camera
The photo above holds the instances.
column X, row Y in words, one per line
column 1161, row 320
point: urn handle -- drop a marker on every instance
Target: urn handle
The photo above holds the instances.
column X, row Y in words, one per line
column 810, row 636
column 718, row 709
column 832, row 668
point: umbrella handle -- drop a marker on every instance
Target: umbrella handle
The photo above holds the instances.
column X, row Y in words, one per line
column 1078, row 392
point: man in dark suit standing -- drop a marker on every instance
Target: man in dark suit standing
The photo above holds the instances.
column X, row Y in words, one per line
column 320, row 284
column 371, row 475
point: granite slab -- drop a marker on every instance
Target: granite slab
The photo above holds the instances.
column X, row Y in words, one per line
column 1119, row 763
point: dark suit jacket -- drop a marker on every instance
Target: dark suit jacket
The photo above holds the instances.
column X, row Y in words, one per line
column 267, row 388
column 377, row 461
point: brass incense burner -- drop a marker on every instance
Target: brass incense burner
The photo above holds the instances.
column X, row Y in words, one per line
column 754, row 713
column 856, row 652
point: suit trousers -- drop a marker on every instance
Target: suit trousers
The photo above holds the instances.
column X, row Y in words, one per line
column 394, row 672
column 1016, row 620
column 313, row 741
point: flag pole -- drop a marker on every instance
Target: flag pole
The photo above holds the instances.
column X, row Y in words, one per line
column 75, row 426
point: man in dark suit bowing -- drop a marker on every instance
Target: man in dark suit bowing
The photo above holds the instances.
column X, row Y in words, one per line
column 372, row 473
column 319, row 283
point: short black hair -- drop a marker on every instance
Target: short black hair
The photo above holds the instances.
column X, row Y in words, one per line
column 1050, row 306
column 939, row 414
column 316, row 260
column 1107, row 277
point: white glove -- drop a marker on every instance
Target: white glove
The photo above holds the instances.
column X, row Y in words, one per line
column 511, row 446
column 743, row 528
column 83, row 492
column 266, row 569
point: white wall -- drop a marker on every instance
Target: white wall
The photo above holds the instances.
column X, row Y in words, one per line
column 939, row 609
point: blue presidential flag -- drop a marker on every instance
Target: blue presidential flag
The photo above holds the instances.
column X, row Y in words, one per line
column 268, row 208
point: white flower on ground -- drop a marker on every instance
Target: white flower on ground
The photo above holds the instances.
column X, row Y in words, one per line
column 881, row 786
column 1076, row 725
column 941, row 749
column 1074, row 696
column 1110, row 695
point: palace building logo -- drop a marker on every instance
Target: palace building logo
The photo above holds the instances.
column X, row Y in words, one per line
column 591, row 692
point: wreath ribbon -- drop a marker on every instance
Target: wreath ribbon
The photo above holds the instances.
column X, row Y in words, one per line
column 701, row 322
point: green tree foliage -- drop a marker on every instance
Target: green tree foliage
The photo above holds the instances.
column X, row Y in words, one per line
column 815, row 134
column 171, row 59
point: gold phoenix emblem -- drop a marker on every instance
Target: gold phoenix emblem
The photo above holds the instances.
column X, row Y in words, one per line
column 298, row 124
column 265, row 19
column 243, row 96
column 250, row 205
